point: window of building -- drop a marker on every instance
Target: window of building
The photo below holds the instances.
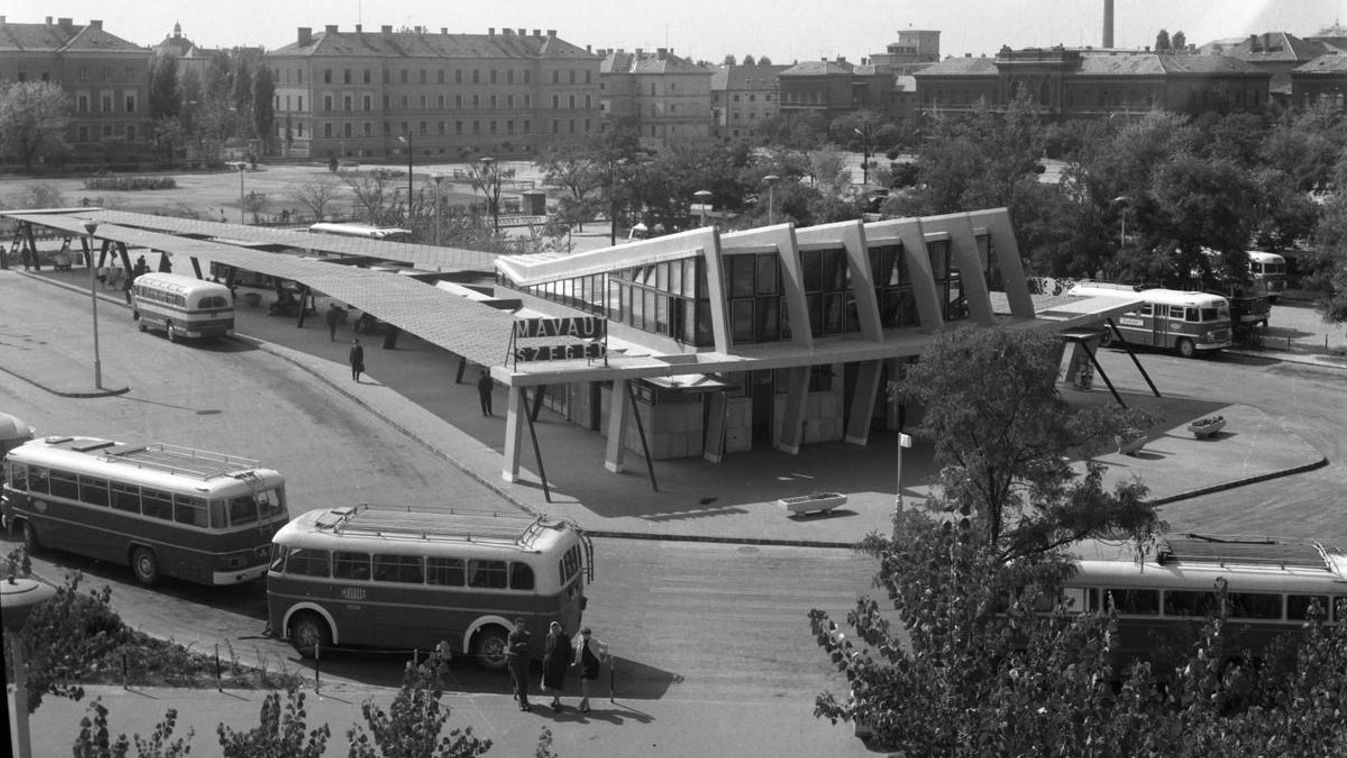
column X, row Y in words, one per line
column 476, row 101
column 106, row 102
column 556, row 102
column 368, row 103
column 458, row 127
column 347, row 129
column 556, row 77
column 327, row 103
column 422, row 101
column 476, row 76
column 346, row 102
column 402, row 76
column 509, row 76
column 327, row 128
column 82, row 104
column 492, row 127
column 528, row 76
column 421, row 76
column 346, row 76
column 130, row 133
column 439, row 76
column 493, row 76
column 327, row 76
column 753, row 284
column 826, row 282
column 367, row 76
column 893, row 287
column 458, row 101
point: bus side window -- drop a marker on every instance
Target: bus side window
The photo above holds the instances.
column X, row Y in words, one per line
column 1146, row 309
column 1255, row 605
column 18, row 477
column 242, row 510
column 64, row 485
column 304, row 562
column 398, row 568
column 41, row 481
column 190, row 510
column 217, row 514
column 488, row 574
column 93, row 491
column 1075, row 599
column 350, row 566
column 446, row 572
column 156, row 504
column 1136, row 602
column 1190, row 603
column 126, row 497
column 278, row 558
column 521, row 576
column 1298, row 606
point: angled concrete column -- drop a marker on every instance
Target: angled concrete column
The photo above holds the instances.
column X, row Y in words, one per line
column 618, row 405
column 863, row 402
column 517, row 406
column 792, row 424
column 713, row 445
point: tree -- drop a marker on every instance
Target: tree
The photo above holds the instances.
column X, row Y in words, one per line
column 1002, row 432
column 764, row 60
column 317, row 194
column 168, row 133
column 278, row 734
column 414, row 724
column 34, row 117
column 262, row 106
column 576, row 168
column 748, row 61
column 1200, row 205
column 1162, row 43
column 729, row 60
column 165, row 96
column 95, row 740
column 1178, row 42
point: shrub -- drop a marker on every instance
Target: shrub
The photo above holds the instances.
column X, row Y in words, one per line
column 94, row 740
column 277, row 734
column 130, row 183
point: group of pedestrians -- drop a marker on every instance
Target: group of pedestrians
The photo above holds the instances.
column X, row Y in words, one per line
column 560, row 654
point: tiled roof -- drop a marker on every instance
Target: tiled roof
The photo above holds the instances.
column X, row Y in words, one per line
column 746, row 77
column 960, row 67
column 816, row 68
column 51, row 38
column 621, row 62
column 432, row 45
column 1332, row 63
column 1276, row 47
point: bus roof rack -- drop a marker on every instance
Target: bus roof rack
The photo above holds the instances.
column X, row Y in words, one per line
column 1240, row 550
column 468, row 524
column 186, row 461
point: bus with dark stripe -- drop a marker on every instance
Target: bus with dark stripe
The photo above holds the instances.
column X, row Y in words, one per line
column 182, row 306
column 400, row 578
column 164, row 510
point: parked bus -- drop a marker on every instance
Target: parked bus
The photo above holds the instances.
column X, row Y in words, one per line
column 161, row 509
column 182, row 306
column 1270, row 269
column 1187, row 322
column 1268, row 587
column 366, row 231
column 403, row 578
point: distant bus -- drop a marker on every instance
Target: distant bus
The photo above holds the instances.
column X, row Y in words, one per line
column 182, row 306
column 161, row 509
column 365, row 231
column 1186, row 322
column 1270, row 269
column 1269, row 586
column 401, row 578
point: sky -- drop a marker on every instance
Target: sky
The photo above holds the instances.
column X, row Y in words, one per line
column 784, row 30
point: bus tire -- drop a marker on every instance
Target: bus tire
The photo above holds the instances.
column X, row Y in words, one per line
column 172, row 333
column 307, row 631
column 145, row 565
column 30, row 539
column 489, row 646
column 1107, row 339
column 1186, row 348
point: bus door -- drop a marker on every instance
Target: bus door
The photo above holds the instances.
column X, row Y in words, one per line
column 349, row 594
column 1160, row 325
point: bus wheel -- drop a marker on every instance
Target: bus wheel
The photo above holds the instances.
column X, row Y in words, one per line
column 30, row 540
column 172, row 333
column 145, row 566
column 308, row 631
column 489, row 646
column 1186, row 348
column 1107, row 339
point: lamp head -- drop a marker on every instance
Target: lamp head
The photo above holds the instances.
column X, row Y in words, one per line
column 90, row 227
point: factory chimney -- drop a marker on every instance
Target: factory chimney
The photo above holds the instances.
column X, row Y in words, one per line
column 1108, row 24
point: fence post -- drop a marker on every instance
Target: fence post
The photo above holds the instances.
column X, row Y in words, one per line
column 317, row 673
column 219, row 678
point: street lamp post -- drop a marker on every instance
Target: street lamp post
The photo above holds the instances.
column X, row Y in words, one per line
column 242, row 220
column 1122, row 200
column 18, row 597
column 865, row 157
column 771, row 180
column 703, row 200
column 407, row 140
column 91, row 227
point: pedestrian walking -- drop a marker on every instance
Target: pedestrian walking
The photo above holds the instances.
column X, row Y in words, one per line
column 357, row 358
column 557, row 656
column 517, row 659
column 335, row 315
column 484, row 387
column 590, row 654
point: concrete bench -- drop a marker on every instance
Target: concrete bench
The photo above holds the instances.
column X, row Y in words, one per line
column 819, row 501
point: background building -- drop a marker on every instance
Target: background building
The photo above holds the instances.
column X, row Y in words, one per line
column 502, row 94
column 741, row 97
column 106, row 78
column 663, row 96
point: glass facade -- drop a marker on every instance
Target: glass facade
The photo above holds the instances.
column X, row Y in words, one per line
column 827, row 283
column 893, row 287
column 757, row 309
column 948, row 284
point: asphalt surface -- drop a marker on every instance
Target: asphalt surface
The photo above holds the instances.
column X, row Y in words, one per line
column 412, row 389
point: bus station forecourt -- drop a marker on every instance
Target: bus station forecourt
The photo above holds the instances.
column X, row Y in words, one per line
column 412, row 389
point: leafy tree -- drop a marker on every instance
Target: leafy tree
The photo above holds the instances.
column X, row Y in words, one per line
column 262, row 105
column 1162, row 42
column 1179, row 42
column 414, row 724
column 748, row 61
column 317, row 195
column 1001, row 432
column 1200, row 204
column 279, row 734
column 1325, row 265
column 764, row 60
column 729, row 60
column 578, row 169
column 34, row 117
column 168, row 133
column 165, row 96
column 828, row 169
column 95, row 741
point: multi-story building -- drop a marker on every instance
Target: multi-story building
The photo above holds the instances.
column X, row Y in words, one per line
column 1087, row 83
column 366, row 94
column 1278, row 53
column 834, row 88
column 106, row 78
column 665, row 97
column 741, row 97
column 914, row 50
column 1322, row 81
column 189, row 57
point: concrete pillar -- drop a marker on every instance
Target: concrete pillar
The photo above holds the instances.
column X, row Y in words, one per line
column 792, row 423
column 863, row 402
column 516, row 407
column 713, row 444
column 615, row 455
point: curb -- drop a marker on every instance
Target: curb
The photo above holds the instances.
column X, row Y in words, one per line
column 105, row 392
column 1323, row 461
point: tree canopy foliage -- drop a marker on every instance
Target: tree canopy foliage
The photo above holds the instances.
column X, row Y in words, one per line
column 33, row 121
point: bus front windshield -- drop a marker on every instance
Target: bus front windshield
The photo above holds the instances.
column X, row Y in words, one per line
column 264, row 505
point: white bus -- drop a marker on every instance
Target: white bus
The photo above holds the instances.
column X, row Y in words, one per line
column 182, row 306
column 365, row 231
column 1268, row 587
column 408, row 579
column 1187, row 322
column 164, row 510
column 1270, row 269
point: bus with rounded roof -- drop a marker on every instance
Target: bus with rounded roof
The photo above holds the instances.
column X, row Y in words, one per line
column 1188, row 323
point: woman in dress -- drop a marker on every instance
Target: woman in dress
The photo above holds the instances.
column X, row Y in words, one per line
column 556, row 659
